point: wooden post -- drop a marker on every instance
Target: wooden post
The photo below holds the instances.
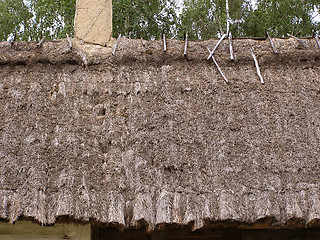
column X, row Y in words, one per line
column 116, row 45
column 230, row 46
column 93, row 21
column 219, row 69
column 185, row 45
column 257, row 65
column 299, row 40
column 272, row 44
column 214, row 49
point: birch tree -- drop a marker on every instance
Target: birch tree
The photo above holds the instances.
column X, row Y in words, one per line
column 280, row 17
column 144, row 19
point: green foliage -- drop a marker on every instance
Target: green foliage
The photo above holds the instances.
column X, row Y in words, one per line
column 204, row 19
column 144, row 18
column 30, row 20
column 280, row 17
column 53, row 19
column 14, row 19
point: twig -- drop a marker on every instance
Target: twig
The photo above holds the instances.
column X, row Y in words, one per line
column 230, row 46
column 69, row 41
column 257, row 65
column 272, row 44
column 212, row 52
column 116, row 45
column 41, row 42
column 164, row 43
column 317, row 40
column 186, row 45
column 300, row 41
column 219, row 69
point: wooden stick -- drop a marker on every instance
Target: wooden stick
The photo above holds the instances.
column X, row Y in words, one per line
column 69, row 41
column 272, row 44
column 257, row 65
column 164, row 43
column 186, row 45
column 317, row 40
column 228, row 17
column 219, row 69
column 41, row 42
column 230, row 46
column 300, row 41
column 212, row 52
column 116, row 45
column 143, row 43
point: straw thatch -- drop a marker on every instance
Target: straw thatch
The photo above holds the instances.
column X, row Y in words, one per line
column 155, row 136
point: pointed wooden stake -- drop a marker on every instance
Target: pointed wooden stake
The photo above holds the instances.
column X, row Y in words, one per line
column 217, row 45
column 219, row 69
column 41, row 42
column 69, row 41
column 230, row 46
column 164, row 43
column 317, row 40
column 116, row 45
column 143, row 43
column 186, row 45
column 272, row 44
column 257, row 65
column 299, row 40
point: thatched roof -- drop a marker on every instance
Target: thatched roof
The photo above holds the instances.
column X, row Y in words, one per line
column 155, row 136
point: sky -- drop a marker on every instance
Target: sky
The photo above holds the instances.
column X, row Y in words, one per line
column 316, row 15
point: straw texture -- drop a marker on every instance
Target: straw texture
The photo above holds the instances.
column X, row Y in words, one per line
column 157, row 136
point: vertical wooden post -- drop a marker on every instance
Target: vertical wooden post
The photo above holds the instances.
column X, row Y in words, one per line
column 230, row 46
column 185, row 45
column 93, row 21
column 228, row 17
column 164, row 43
